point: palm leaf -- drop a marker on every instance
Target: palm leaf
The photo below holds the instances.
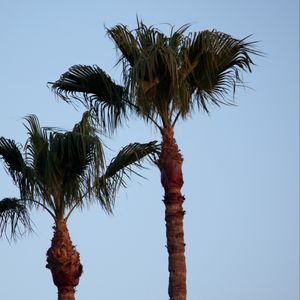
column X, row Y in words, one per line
column 123, row 164
column 21, row 173
column 95, row 90
column 215, row 61
column 14, row 162
column 37, row 147
column 14, row 218
column 126, row 42
column 132, row 155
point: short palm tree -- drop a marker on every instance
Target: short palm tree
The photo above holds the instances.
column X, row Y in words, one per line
column 61, row 171
column 166, row 77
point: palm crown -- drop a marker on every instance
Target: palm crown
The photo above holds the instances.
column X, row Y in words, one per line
column 59, row 170
column 165, row 77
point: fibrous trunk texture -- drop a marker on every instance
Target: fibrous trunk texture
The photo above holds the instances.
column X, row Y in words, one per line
column 170, row 165
column 64, row 262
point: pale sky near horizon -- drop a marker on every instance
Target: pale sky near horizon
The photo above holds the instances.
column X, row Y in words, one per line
column 241, row 164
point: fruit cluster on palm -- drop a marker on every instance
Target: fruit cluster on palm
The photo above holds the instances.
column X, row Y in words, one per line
column 165, row 78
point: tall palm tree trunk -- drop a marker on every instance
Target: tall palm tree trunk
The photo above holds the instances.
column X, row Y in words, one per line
column 64, row 262
column 170, row 165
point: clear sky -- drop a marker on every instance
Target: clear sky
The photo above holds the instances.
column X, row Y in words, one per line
column 241, row 164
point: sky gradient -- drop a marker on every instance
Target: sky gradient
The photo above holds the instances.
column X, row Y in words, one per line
column 241, row 164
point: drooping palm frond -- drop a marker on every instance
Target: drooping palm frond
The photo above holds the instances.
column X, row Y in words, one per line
column 14, row 162
column 21, row 173
column 95, row 90
column 124, row 163
column 14, row 218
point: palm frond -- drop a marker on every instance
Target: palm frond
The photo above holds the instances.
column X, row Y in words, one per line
column 37, row 145
column 91, row 86
column 16, row 166
column 132, row 155
column 126, row 42
column 215, row 61
column 14, row 218
column 11, row 154
column 123, row 164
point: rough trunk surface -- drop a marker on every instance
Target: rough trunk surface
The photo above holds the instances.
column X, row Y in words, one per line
column 64, row 262
column 170, row 165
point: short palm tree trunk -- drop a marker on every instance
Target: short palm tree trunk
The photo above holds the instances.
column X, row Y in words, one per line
column 64, row 262
column 170, row 165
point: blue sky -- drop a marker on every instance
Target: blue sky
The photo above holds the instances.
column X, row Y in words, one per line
column 241, row 164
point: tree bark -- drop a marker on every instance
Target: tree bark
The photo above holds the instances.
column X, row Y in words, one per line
column 64, row 262
column 170, row 165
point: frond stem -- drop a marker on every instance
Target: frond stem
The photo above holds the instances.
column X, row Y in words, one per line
column 42, row 205
column 176, row 118
column 149, row 117
column 71, row 210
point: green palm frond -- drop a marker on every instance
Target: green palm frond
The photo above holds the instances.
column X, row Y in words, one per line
column 14, row 162
column 126, row 41
column 37, row 147
column 21, row 173
column 14, row 218
column 131, row 155
column 123, row 164
column 215, row 61
column 95, row 90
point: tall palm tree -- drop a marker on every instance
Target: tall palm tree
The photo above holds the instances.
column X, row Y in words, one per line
column 60, row 171
column 165, row 78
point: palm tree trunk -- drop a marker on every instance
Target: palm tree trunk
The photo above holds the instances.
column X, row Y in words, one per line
column 64, row 262
column 170, row 165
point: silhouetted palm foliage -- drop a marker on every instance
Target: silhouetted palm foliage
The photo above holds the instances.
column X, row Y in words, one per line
column 59, row 171
column 164, row 76
column 14, row 218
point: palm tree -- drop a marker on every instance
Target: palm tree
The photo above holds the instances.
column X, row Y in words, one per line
column 61, row 171
column 165, row 78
